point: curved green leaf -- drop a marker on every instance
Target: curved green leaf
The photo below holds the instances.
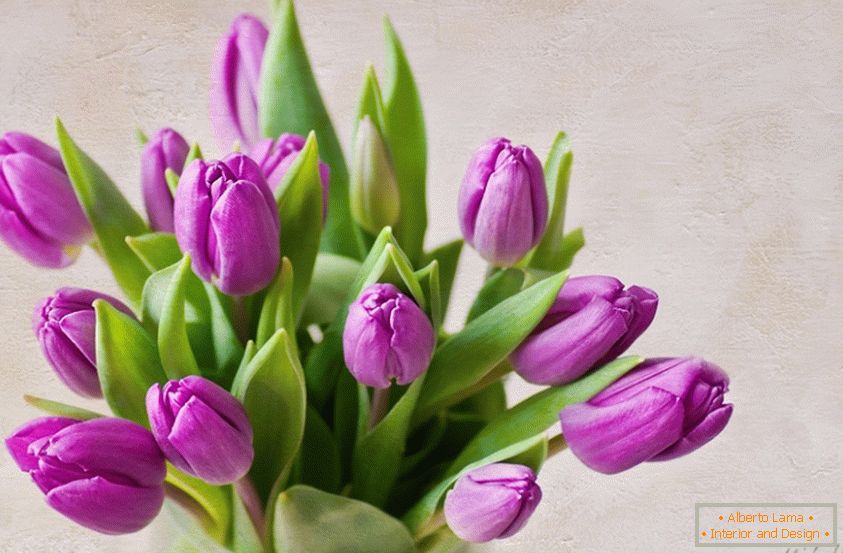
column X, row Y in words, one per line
column 314, row 521
column 548, row 255
column 156, row 250
column 127, row 362
column 210, row 505
column 448, row 256
column 465, row 358
column 272, row 391
column 333, row 275
column 300, row 211
column 277, row 308
column 173, row 345
column 110, row 214
column 536, row 414
column 319, row 463
column 61, row 409
column 405, row 134
column 290, row 102
column 498, row 287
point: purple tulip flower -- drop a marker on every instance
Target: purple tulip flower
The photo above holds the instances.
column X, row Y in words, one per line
column 494, row 501
column 276, row 156
column 503, row 202
column 201, row 428
column 227, row 220
column 235, row 81
column 592, row 321
column 65, row 325
column 106, row 474
column 663, row 409
column 167, row 150
column 386, row 336
column 40, row 217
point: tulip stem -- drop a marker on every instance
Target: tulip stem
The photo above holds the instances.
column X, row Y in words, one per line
column 241, row 318
column 252, row 502
column 556, row 445
column 380, row 406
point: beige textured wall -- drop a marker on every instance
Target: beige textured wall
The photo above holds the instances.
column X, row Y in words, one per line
column 707, row 137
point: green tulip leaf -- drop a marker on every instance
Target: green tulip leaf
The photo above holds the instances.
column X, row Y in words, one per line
column 311, row 520
column 127, row 362
column 333, row 275
column 405, row 136
column 277, row 308
column 377, row 456
column 156, row 250
column 468, row 356
column 428, row 278
column 173, row 344
column 448, row 256
column 498, row 287
column 534, row 415
column 209, row 505
column 300, row 209
column 244, row 537
column 61, row 409
column 319, row 463
column 548, row 255
column 110, row 214
column 194, row 154
column 290, row 102
column 370, row 103
column 272, row 390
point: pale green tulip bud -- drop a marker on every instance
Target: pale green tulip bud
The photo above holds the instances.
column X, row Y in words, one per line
column 375, row 201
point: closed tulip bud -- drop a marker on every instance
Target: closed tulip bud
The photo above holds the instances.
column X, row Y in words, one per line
column 40, row 217
column 227, row 220
column 276, row 156
column 503, row 202
column 591, row 322
column 167, row 150
column 386, row 336
column 494, row 501
column 65, row 325
column 235, row 81
column 201, row 428
column 375, row 201
column 106, row 474
column 663, row 409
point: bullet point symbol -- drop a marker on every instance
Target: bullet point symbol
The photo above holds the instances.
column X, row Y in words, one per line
column 721, row 517
column 704, row 533
column 826, row 534
column 811, row 517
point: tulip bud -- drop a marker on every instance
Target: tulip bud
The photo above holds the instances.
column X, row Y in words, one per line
column 235, row 81
column 494, row 501
column 40, row 217
column 106, row 474
column 65, row 325
column 276, row 156
column 375, row 201
column 592, row 321
column 201, row 428
column 227, row 220
column 386, row 336
column 663, row 409
column 167, row 150
column 503, row 202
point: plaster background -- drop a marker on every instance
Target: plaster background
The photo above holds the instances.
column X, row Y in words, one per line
column 707, row 138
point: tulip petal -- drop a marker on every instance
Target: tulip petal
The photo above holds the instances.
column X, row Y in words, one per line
column 645, row 302
column 248, row 256
column 704, row 432
column 70, row 364
column 215, row 451
column 192, row 211
column 18, row 142
column 105, row 506
column 568, row 349
column 161, row 420
column 221, row 401
column 18, row 443
column 21, row 238
column 412, row 340
column 614, row 438
column 80, row 328
column 479, row 170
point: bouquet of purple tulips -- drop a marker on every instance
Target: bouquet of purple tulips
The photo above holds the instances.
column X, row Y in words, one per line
column 278, row 369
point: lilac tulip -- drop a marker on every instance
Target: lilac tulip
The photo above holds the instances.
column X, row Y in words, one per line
column 276, row 156
column 494, row 501
column 503, row 202
column 386, row 336
column 106, row 474
column 40, row 217
column 593, row 320
column 167, row 150
column 235, row 81
column 663, row 409
column 227, row 220
column 65, row 325
column 201, row 428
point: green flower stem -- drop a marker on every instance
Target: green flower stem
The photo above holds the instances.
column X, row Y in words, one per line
column 556, row 445
column 252, row 502
column 380, row 406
